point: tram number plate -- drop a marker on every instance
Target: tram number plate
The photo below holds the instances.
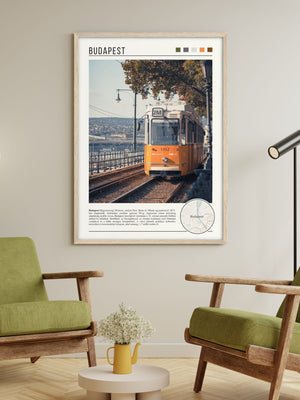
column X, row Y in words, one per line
column 157, row 112
column 165, row 149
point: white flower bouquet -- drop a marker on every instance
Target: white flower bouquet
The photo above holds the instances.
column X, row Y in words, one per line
column 125, row 326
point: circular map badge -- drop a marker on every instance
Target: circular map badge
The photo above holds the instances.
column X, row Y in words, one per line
column 197, row 216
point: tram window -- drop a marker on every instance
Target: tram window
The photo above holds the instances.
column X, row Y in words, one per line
column 190, row 132
column 164, row 131
column 200, row 139
column 147, row 130
column 198, row 134
column 183, row 131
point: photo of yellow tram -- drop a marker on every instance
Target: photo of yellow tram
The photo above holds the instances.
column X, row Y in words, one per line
column 174, row 139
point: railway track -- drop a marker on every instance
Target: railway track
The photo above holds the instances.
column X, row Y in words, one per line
column 116, row 186
column 104, row 186
column 131, row 185
column 108, row 177
column 101, row 185
column 154, row 190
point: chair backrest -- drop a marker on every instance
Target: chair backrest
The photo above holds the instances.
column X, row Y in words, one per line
column 296, row 282
column 20, row 273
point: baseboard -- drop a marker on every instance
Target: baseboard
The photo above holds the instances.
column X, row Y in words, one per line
column 158, row 350
column 148, row 350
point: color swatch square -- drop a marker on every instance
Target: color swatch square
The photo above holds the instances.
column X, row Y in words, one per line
column 185, row 49
column 202, row 49
column 178, row 49
column 194, row 49
column 210, row 49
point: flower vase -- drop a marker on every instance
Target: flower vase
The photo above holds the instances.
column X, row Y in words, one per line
column 123, row 361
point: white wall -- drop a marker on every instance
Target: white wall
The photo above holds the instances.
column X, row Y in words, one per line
column 36, row 142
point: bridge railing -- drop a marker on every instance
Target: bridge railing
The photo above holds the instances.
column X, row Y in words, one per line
column 105, row 161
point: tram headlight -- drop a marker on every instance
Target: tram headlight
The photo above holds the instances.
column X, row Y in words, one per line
column 164, row 159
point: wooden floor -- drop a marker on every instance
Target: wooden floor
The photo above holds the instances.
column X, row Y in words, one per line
column 56, row 378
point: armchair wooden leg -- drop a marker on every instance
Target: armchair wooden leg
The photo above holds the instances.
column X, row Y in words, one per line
column 91, row 354
column 215, row 301
column 200, row 372
column 289, row 316
column 34, row 359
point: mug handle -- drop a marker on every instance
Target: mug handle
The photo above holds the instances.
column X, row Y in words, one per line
column 107, row 355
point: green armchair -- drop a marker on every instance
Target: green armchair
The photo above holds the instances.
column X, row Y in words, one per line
column 31, row 325
column 257, row 345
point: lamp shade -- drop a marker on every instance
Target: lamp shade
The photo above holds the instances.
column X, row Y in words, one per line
column 285, row 145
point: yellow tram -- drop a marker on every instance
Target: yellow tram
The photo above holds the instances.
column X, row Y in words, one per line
column 173, row 139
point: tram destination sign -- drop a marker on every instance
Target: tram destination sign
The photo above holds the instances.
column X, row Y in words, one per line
column 150, row 138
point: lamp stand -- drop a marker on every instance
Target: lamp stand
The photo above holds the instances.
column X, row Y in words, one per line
column 295, row 210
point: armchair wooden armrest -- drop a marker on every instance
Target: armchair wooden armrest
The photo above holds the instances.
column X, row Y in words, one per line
column 220, row 281
column 231, row 280
column 278, row 289
column 75, row 274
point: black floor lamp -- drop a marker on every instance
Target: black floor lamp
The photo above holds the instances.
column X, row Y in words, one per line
column 278, row 150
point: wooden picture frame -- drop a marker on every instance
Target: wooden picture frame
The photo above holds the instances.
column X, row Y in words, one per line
column 153, row 170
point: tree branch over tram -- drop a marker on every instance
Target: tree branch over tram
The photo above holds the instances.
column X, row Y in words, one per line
column 184, row 77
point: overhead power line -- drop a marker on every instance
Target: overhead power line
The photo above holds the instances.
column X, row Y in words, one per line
column 105, row 112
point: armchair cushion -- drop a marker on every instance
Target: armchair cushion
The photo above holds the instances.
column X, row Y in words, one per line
column 43, row 316
column 236, row 329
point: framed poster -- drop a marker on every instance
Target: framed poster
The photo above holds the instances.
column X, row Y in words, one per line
column 150, row 141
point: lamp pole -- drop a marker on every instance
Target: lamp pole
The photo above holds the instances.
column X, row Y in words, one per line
column 295, row 210
column 206, row 67
column 134, row 123
column 118, row 99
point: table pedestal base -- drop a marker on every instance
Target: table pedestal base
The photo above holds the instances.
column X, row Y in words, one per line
column 123, row 396
column 155, row 395
column 97, row 396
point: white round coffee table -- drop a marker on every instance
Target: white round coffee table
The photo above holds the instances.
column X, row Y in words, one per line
column 144, row 383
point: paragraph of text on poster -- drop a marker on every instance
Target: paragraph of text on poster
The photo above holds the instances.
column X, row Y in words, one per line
column 132, row 218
